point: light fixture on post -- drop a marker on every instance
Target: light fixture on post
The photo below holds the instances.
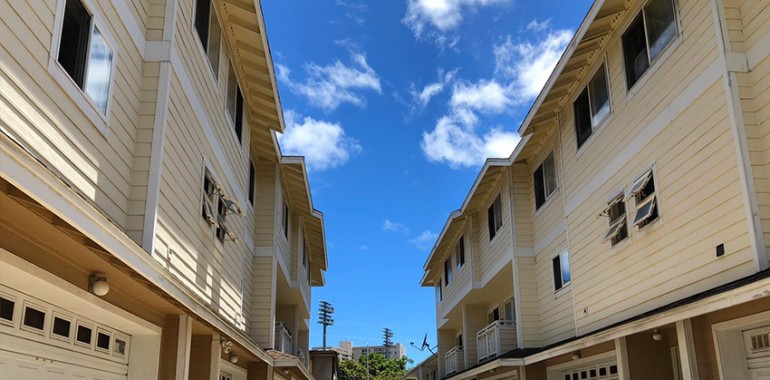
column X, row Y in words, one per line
column 98, row 285
column 576, row 355
column 233, row 358
column 656, row 335
column 227, row 346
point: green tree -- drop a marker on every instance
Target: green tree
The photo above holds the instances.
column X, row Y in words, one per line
column 380, row 368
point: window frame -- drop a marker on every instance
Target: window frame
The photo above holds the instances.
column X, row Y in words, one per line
column 448, row 274
column 27, row 304
column 602, row 63
column 214, row 74
column 548, row 197
column 494, row 210
column 460, row 252
column 653, row 197
column 618, row 198
column 101, row 120
column 562, row 284
column 14, row 312
column 252, row 186
column 665, row 51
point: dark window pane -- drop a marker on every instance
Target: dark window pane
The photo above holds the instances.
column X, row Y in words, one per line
column 103, row 340
column 73, row 45
column 593, row 373
column 120, row 346
column 557, row 273
column 603, row 371
column 661, row 28
column 635, row 52
column 600, row 97
column 491, row 221
column 61, row 327
column 498, row 213
column 539, row 187
column 202, row 8
column 582, row 109
column 6, row 309
column 613, row 369
column 84, row 334
column 34, row 318
column 239, row 114
column 252, row 179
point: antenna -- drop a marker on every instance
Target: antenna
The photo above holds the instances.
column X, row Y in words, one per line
column 387, row 336
column 325, row 311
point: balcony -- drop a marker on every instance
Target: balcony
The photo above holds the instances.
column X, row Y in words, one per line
column 282, row 338
column 455, row 361
column 495, row 339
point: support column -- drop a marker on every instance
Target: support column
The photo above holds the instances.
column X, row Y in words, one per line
column 175, row 347
column 621, row 355
column 260, row 371
column 204, row 357
column 687, row 350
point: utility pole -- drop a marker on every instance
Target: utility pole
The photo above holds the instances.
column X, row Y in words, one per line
column 387, row 335
column 325, row 311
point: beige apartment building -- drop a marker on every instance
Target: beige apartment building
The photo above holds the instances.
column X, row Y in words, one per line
column 627, row 235
column 150, row 227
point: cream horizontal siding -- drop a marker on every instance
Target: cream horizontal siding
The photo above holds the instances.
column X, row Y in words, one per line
column 262, row 306
column 213, row 270
column 499, row 248
column 457, row 289
column 523, row 205
column 264, row 204
column 555, row 313
column 282, row 247
column 756, row 21
column 48, row 122
column 528, row 299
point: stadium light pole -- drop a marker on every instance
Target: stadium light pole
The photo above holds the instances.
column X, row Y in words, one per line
column 325, row 311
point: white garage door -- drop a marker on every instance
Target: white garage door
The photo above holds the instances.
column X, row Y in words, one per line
column 41, row 341
column 757, row 346
column 608, row 371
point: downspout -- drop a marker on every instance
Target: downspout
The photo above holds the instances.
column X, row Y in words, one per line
column 734, row 63
column 158, row 51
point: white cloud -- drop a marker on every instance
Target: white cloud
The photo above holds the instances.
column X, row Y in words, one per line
column 423, row 97
column 484, row 96
column 329, row 86
column 391, row 226
column 528, row 65
column 354, row 10
column 436, row 20
column 538, row 26
column 459, row 145
column 425, row 240
column 325, row 145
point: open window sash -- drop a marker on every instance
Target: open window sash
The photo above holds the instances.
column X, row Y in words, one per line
column 208, row 213
column 640, row 183
column 610, row 205
column 615, row 228
column 644, row 210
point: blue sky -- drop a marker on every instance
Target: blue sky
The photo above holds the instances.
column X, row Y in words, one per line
column 396, row 104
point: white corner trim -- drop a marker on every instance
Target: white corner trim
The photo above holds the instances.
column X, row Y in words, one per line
column 685, row 98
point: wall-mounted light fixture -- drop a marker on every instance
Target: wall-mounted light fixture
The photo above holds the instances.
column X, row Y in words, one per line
column 98, row 285
column 656, row 335
column 233, row 358
column 576, row 355
column 227, row 346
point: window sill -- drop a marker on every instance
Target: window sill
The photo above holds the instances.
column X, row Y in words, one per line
column 83, row 101
column 539, row 210
column 562, row 291
column 497, row 234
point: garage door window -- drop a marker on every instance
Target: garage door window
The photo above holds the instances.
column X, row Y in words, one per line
column 120, row 346
column 34, row 318
column 103, row 341
column 61, row 327
column 84, row 335
column 6, row 309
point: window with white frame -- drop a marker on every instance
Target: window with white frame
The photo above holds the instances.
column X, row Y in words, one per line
column 210, row 196
column 213, row 195
column 643, row 191
column 234, row 102
column 509, row 313
column 647, row 37
column 495, row 217
column 448, row 270
column 460, row 252
column 545, row 180
column 616, row 213
column 85, row 54
column 286, row 220
column 592, row 106
column 209, row 32
column 561, row 271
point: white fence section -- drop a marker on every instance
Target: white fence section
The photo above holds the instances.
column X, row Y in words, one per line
column 494, row 340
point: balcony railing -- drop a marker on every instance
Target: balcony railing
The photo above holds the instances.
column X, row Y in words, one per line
column 282, row 338
column 455, row 361
column 493, row 340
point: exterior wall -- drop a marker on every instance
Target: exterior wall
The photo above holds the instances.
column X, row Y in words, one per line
column 493, row 252
column 263, row 290
column 528, row 299
column 51, row 117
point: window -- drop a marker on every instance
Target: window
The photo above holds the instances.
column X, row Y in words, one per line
column 119, row 347
column 222, row 231
column 460, row 253
column 561, row 271
column 439, row 291
column 83, row 335
column 61, row 327
column 493, row 316
column 495, row 217
column 33, row 318
column 592, row 106
column 448, row 271
column 209, row 32
column 84, row 54
column 647, row 37
column 460, row 341
column 6, row 309
column 286, row 220
column 643, row 191
column 103, row 340
column 616, row 213
column 509, row 310
column 234, row 102
column 209, row 197
column 545, row 180
column 225, row 376
column 252, row 184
